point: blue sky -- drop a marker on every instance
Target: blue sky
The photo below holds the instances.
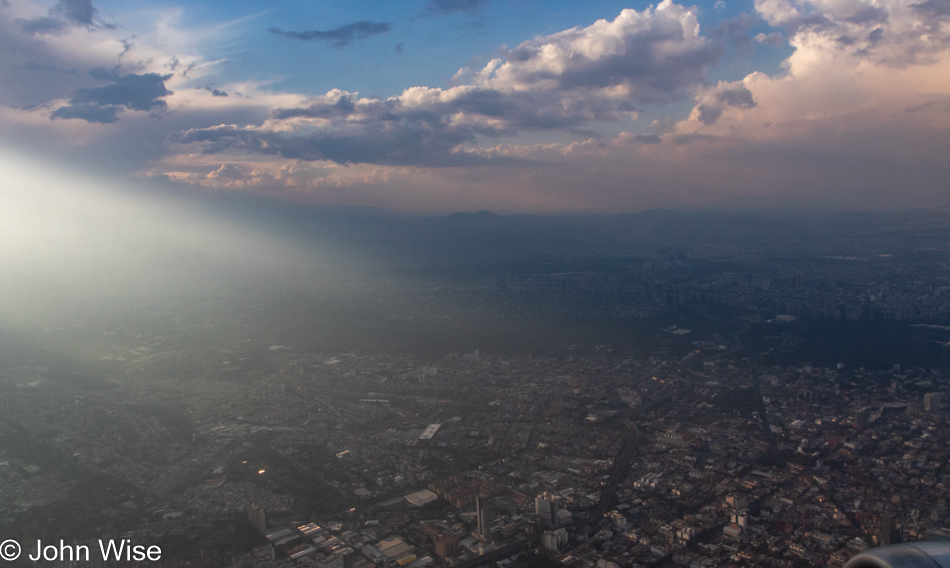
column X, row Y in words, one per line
column 420, row 48
column 438, row 106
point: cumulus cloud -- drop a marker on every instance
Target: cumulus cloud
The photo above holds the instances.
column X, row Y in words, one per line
column 341, row 36
column 845, row 123
column 712, row 101
column 562, row 81
column 653, row 56
column 890, row 32
column 102, row 104
column 859, row 109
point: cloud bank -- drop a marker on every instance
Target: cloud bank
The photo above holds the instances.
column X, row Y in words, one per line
column 603, row 72
column 858, row 117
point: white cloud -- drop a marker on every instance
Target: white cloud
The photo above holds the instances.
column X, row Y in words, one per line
column 640, row 57
column 563, row 81
column 890, row 32
column 862, row 108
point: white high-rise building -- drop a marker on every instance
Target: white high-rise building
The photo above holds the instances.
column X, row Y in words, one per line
column 546, row 508
column 553, row 540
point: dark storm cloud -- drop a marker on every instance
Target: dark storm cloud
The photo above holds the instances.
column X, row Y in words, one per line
column 736, row 96
column 136, row 92
column 708, row 114
column 714, row 101
column 64, row 14
column 80, row 12
column 101, row 104
column 341, row 36
column 88, row 112
column 444, row 7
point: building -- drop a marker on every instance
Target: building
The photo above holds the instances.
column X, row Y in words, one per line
column 554, row 540
column 617, row 518
column 446, row 545
column 256, row 516
column 737, row 501
column 890, row 532
column 932, row 402
column 481, row 514
column 393, row 548
column 546, row 508
column 421, row 498
column 332, row 561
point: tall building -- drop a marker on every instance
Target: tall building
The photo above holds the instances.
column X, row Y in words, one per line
column 255, row 514
column 481, row 514
column 546, row 508
column 932, row 402
column 890, row 530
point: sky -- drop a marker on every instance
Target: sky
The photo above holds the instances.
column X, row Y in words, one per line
column 512, row 106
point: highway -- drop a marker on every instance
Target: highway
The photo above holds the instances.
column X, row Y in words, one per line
column 621, row 465
column 627, row 452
